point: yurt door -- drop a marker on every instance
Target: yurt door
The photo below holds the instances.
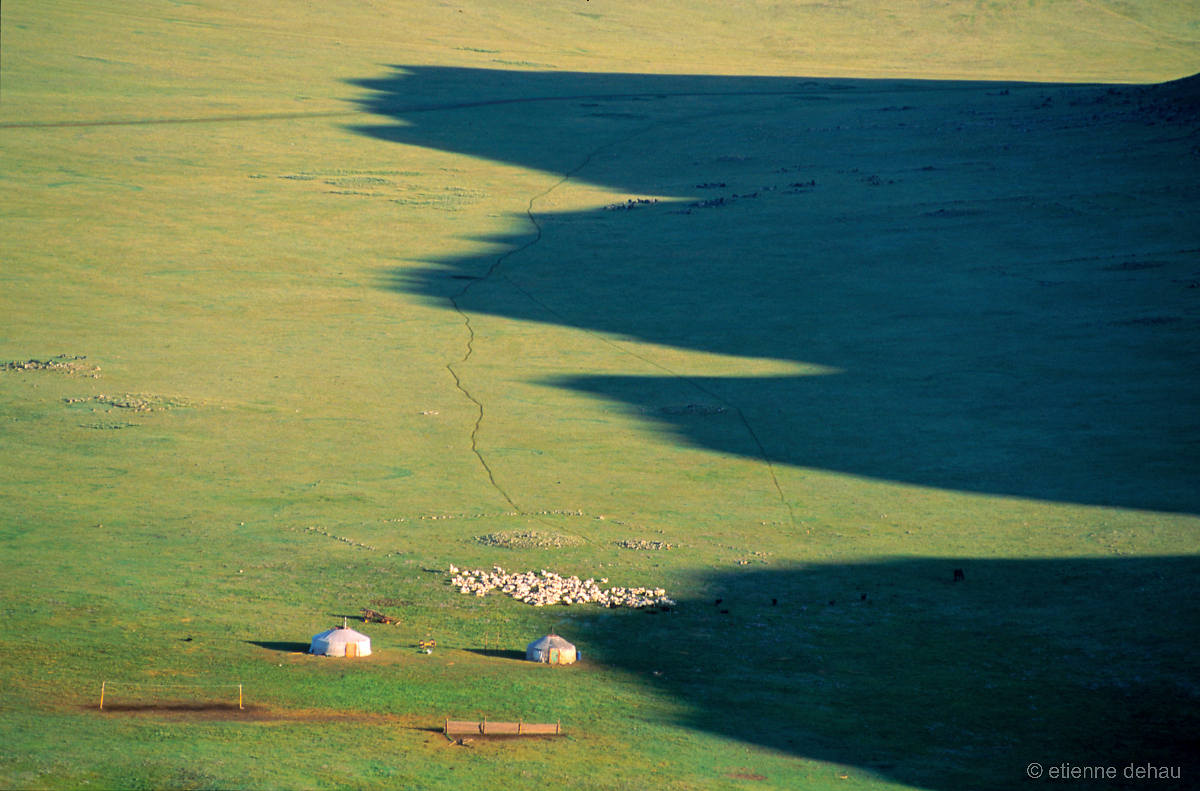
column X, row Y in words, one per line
column 554, row 656
column 351, row 649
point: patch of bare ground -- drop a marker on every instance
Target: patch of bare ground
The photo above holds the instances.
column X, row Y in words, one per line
column 254, row 713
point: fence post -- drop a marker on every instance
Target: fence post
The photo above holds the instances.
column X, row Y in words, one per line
column 240, row 708
column 102, row 683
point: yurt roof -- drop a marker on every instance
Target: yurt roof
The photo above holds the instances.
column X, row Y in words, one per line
column 551, row 641
column 341, row 634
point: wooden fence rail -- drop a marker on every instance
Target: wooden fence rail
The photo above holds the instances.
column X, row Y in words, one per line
column 500, row 728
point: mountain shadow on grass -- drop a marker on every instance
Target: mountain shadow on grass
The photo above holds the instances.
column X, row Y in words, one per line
column 983, row 287
column 896, row 668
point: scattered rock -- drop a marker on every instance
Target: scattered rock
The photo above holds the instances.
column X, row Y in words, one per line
column 527, row 539
column 61, row 363
column 323, row 532
column 644, row 546
column 136, row 402
column 108, row 425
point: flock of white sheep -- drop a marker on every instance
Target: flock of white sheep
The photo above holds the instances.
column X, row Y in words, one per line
column 546, row 587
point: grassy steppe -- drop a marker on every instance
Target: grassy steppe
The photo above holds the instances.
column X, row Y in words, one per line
column 355, row 286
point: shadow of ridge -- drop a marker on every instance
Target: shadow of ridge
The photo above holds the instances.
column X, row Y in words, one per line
column 440, row 106
column 972, row 435
column 895, row 667
column 464, row 109
column 286, row 646
column 993, row 316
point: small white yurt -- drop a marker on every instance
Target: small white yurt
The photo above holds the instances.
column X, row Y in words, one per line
column 551, row 649
column 341, row 641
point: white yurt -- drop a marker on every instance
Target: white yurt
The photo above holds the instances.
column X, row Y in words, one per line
column 341, row 641
column 551, row 649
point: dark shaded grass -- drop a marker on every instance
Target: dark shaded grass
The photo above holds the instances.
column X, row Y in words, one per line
column 990, row 274
column 894, row 667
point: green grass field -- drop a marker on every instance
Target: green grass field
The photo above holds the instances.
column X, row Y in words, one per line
column 831, row 298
